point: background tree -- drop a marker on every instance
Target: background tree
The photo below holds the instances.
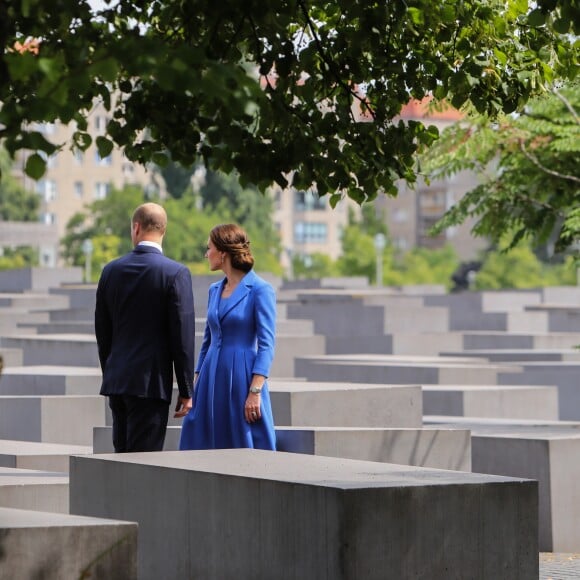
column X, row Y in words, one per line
column 532, row 191
column 107, row 223
column 19, row 205
column 273, row 90
column 16, row 203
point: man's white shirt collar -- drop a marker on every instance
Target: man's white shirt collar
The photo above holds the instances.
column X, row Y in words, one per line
column 151, row 244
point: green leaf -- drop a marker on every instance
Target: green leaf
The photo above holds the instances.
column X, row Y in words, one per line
column 35, row 166
column 104, row 146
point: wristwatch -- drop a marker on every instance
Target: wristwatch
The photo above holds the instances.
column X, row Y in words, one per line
column 256, row 390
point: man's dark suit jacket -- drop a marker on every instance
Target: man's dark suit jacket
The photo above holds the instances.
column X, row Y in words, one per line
column 145, row 325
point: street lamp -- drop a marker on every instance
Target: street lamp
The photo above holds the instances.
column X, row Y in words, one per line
column 87, row 248
column 380, row 242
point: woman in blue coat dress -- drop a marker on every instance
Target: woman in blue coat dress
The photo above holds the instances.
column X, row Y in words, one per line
column 231, row 403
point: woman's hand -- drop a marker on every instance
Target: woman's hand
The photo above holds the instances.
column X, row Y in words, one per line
column 252, row 408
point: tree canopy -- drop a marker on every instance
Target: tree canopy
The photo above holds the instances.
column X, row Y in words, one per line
column 532, row 192
column 275, row 89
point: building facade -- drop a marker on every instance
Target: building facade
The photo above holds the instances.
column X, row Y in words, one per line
column 74, row 179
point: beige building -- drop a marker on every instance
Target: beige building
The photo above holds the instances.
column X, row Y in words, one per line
column 414, row 211
column 75, row 179
column 308, row 225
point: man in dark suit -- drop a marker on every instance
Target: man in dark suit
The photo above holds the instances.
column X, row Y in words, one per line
column 145, row 329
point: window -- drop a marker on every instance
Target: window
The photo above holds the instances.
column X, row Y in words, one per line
column 79, row 189
column 103, row 161
column 400, row 215
column 305, row 232
column 46, row 188
column 101, row 190
column 49, row 159
column 79, row 156
column 101, row 124
column 308, row 200
column 48, row 218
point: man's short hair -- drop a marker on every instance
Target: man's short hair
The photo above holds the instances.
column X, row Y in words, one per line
column 152, row 217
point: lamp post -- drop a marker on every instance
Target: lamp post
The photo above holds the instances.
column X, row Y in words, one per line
column 380, row 242
column 87, row 248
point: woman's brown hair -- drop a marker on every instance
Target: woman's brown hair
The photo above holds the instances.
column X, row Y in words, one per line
column 233, row 240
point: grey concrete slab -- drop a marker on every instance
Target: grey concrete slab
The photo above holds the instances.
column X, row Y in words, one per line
column 60, row 546
column 345, row 404
column 38, row 279
column 29, row 489
column 565, row 375
column 67, row 419
column 548, row 452
column 13, row 319
column 11, row 356
column 288, row 349
column 561, row 318
column 397, row 369
column 521, row 402
column 425, row 343
column 561, row 295
column 62, row 327
column 56, row 349
column 39, row 456
column 520, row 355
column 103, row 439
column 422, row 447
column 311, row 516
column 34, row 301
column 474, row 340
column 79, row 295
column 50, row 380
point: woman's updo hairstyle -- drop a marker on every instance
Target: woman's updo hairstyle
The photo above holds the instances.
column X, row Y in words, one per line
column 233, row 240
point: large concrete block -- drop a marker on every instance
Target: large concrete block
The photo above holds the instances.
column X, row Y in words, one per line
column 38, row 279
column 425, row 343
column 50, row 546
column 50, row 380
column 39, row 456
column 67, row 419
column 34, row 490
column 424, row 447
column 56, row 349
column 548, row 452
column 561, row 318
column 11, row 356
column 345, row 404
column 519, row 355
column 398, row 369
column 310, row 516
column 474, row 340
column 79, row 295
column 521, row 402
column 33, row 301
column 564, row 375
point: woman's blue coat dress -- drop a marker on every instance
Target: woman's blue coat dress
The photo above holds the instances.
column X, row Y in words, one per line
column 238, row 342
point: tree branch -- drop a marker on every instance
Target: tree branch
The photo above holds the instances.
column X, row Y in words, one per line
column 537, row 163
column 567, row 104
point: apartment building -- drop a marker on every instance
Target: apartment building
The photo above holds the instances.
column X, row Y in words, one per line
column 75, row 179
column 415, row 210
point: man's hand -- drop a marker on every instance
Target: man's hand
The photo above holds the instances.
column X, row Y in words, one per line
column 183, row 407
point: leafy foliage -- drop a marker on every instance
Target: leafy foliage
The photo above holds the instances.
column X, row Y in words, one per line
column 529, row 168
column 107, row 223
column 274, row 88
